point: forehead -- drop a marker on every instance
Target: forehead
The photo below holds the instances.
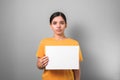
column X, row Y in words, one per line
column 58, row 18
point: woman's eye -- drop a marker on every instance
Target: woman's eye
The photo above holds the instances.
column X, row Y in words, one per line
column 54, row 23
column 62, row 22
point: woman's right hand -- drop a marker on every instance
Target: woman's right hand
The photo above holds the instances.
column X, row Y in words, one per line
column 42, row 62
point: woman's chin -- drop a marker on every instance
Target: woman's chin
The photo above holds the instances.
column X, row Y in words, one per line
column 59, row 33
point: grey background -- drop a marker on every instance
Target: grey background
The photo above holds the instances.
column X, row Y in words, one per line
column 94, row 23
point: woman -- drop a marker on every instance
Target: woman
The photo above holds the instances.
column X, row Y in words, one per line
column 58, row 24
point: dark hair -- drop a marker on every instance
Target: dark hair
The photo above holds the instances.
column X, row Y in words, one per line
column 55, row 14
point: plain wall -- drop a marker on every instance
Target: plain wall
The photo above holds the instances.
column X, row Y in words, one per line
column 94, row 23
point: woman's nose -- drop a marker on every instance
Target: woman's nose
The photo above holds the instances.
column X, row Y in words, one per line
column 58, row 25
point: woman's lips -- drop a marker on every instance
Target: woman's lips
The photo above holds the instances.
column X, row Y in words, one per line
column 58, row 30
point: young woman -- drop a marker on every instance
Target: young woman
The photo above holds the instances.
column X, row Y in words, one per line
column 58, row 24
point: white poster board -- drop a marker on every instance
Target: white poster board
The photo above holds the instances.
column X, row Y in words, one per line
column 62, row 57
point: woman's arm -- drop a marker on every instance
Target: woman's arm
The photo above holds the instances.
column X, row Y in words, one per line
column 42, row 62
column 76, row 74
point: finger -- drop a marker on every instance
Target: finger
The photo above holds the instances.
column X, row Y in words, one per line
column 45, row 63
column 41, row 60
column 45, row 57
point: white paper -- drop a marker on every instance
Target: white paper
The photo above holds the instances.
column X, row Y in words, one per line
column 62, row 57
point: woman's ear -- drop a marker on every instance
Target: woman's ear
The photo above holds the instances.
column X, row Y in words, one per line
column 66, row 25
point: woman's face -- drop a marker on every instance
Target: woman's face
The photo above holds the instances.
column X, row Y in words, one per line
column 58, row 25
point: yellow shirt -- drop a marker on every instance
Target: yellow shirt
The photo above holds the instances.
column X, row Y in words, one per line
column 57, row 74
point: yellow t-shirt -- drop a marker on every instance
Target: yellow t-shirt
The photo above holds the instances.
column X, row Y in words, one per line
column 57, row 74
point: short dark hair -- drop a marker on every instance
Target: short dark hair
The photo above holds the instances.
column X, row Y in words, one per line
column 55, row 14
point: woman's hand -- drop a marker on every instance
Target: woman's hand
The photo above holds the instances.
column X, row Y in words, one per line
column 42, row 62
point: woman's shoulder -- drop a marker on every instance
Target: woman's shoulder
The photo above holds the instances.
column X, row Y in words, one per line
column 73, row 40
column 45, row 39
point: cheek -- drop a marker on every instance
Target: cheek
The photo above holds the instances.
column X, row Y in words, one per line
column 63, row 27
column 52, row 27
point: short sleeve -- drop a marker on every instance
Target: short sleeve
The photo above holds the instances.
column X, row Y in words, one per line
column 40, row 51
column 80, row 55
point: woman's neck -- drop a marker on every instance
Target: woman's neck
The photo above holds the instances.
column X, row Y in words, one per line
column 59, row 37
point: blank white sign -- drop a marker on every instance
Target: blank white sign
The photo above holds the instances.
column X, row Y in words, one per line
column 62, row 57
